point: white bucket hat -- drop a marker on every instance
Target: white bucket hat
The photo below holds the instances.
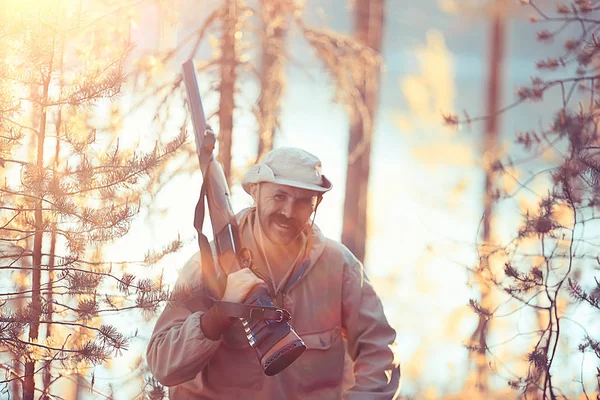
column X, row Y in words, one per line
column 288, row 166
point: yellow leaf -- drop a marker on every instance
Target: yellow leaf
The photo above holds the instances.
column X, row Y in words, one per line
column 445, row 153
column 563, row 214
column 430, row 92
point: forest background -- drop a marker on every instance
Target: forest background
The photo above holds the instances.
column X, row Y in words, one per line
column 464, row 134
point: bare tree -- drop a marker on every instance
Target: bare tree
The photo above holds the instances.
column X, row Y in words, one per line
column 232, row 12
column 274, row 18
column 490, row 153
column 550, row 263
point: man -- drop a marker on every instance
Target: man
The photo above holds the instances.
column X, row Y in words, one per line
column 201, row 354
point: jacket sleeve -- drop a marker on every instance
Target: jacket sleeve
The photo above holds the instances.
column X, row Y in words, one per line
column 371, row 340
column 178, row 350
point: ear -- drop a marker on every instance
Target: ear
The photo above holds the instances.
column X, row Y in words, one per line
column 254, row 191
column 319, row 200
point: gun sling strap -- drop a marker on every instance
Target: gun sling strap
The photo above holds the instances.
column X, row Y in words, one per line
column 216, row 285
column 247, row 311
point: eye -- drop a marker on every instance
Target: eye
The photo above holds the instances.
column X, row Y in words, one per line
column 279, row 197
column 307, row 203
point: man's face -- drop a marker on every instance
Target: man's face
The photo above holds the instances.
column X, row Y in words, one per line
column 283, row 211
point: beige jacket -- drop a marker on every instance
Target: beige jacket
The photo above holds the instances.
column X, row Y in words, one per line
column 334, row 310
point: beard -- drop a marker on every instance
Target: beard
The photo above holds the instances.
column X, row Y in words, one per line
column 279, row 229
column 282, row 220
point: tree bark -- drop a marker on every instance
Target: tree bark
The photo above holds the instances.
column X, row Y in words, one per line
column 369, row 22
column 271, row 75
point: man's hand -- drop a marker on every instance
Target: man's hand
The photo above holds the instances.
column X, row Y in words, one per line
column 239, row 284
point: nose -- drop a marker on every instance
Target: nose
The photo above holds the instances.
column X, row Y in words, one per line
column 288, row 209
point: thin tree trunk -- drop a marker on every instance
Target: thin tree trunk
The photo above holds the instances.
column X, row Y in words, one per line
column 227, row 88
column 369, row 21
column 50, row 298
column 271, row 75
column 19, row 385
column 490, row 149
column 51, row 260
column 36, row 267
column 17, row 304
column 79, row 387
column 536, row 376
column 16, row 386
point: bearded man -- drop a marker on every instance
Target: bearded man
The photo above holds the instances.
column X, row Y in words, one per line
column 199, row 353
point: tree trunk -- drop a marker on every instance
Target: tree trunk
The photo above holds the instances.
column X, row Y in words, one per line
column 51, row 261
column 490, row 149
column 36, row 265
column 17, row 385
column 271, row 74
column 227, row 88
column 79, row 387
column 50, row 298
column 369, row 30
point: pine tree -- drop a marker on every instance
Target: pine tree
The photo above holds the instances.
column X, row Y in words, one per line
column 68, row 187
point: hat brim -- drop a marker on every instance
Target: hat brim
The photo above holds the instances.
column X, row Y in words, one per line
column 307, row 186
column 262, row 173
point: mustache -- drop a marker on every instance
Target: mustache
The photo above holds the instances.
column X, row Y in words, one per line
column 281, row 219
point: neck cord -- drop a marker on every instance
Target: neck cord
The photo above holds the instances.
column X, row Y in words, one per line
column 303, row 249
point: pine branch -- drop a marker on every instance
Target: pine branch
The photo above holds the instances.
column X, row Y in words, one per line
column 153, row 257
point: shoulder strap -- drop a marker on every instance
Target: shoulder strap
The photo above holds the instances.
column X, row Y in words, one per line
column 215, row 284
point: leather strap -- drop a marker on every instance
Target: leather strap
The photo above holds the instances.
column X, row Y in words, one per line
column 251, row 311
column 215, row 284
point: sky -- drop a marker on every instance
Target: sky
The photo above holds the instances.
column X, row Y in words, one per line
column 426, row 183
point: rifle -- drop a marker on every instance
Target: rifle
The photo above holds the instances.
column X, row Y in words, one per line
column 267, row 327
